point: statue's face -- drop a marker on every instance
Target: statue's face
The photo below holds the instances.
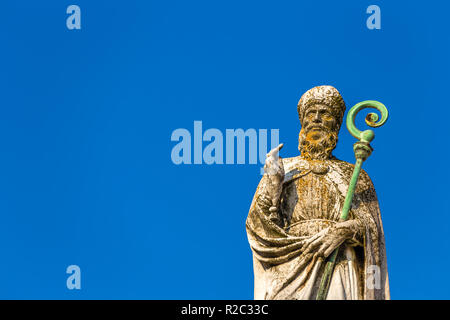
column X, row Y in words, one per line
column 318, row 121
column 319, row 133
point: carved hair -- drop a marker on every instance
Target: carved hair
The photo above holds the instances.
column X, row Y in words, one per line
column 320, row 150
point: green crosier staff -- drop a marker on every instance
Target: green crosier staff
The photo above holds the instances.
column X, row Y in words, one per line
column 362, row 151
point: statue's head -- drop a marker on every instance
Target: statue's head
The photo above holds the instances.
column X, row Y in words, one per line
column 320, row 110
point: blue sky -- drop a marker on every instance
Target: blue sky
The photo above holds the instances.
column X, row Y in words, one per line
column 86, row 176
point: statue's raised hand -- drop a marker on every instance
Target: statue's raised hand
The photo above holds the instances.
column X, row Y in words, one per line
column 274, row 170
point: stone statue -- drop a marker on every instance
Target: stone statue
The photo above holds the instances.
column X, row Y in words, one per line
column 294, row 221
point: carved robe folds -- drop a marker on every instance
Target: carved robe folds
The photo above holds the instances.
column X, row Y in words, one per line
column 312, row 199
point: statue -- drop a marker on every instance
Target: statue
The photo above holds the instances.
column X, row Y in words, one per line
column 314, row 225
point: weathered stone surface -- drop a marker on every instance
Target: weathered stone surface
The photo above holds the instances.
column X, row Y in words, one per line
column 294, row 220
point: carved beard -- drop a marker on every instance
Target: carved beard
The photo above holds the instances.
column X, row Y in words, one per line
column 317, row 150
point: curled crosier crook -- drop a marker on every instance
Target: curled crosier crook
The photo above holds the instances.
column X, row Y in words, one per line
column 371, row 119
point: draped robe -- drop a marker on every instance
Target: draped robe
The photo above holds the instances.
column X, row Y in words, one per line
column 312, row 199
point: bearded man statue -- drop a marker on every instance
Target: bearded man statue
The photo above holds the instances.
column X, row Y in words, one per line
column 294, row 221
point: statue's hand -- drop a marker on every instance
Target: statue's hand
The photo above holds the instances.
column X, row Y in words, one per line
column 323, row 243
column 275, row 172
